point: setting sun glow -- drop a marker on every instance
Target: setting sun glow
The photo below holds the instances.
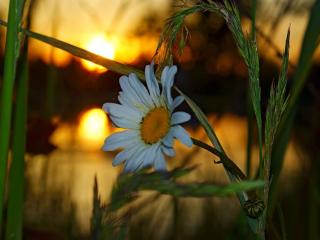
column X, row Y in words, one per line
column 102, row 46
column 93, row 127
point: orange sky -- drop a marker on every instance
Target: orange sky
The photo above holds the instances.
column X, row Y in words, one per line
column 79, row 21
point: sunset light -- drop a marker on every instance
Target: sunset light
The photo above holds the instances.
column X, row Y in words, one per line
column 102, row 46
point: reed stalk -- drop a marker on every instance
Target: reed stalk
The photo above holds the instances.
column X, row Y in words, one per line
column 14, row 224
column 10, row 61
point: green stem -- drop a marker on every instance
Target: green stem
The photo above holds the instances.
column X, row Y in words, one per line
column 249, row 104
column 227, row 162
column 249, row 136
column 10, row 61
column 16, row 178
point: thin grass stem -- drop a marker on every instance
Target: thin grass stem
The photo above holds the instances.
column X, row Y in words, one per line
column 14, row 224
column 10, row 61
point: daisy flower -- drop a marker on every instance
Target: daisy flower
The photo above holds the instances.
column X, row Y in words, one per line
column 149, row 117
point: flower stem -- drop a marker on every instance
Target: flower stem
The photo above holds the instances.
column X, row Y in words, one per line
column 227, row 162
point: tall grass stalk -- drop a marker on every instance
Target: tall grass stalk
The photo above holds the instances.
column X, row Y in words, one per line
column 310, row 42
column 276, row 107
column 14, row 222
column 250, row 116
column 248, row 51
column 10, row 61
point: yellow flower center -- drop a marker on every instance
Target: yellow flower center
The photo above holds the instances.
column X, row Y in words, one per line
column 155, row 125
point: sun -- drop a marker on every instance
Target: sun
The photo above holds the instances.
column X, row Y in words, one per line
column 102, row 46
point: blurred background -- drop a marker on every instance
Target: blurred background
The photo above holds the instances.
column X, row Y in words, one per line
column 66, row 127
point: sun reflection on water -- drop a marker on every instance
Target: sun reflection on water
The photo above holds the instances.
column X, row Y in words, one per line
column 93, row 128
column 75, row 164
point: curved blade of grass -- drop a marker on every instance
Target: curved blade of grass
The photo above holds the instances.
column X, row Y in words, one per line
column 203, row 121
column 82, row 53
column 10, row 61
column 254, row 223
column 248, row 50
column 79, row 52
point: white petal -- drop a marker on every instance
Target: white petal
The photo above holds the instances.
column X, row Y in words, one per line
column 122, row 111
column 176, row 102
column 136, row 160
column 121, row 140
column 164, row 76
column 168, row 140
column 179, row 117
column 125, row 123
column 124, row 99
column 168, row 83
column 119, row 158
column 127, row 89
column 125, row 154
column 168, row 151
column 151, row 155
column 152, row 84
column 160, row 163
column 131, row 93
column 181, row 134
column 140, row 90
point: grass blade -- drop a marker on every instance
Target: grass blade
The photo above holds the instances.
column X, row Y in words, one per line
column 82, row 53
column 166, row 184
column 201, row 190
column 276, row 106
column 96, row 218
column 14, row 222
column 173, row 27
column 79, row 52
column 10, row 61
column 309, row 45
column 203, row 121
column 250, row 117
column 248, row 50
